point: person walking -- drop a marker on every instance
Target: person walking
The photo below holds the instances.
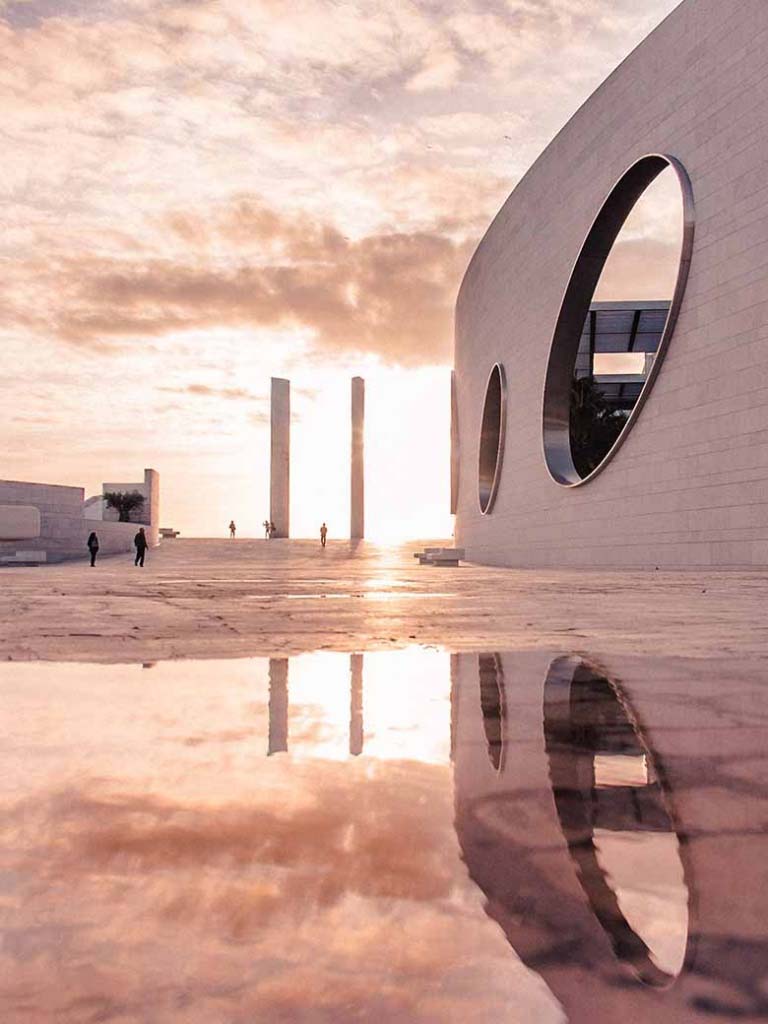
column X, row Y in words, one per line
column 323, row 534
column 93, row 547
column 140, row 543
column 232, row 529
column 265, row 524
column 272, row 530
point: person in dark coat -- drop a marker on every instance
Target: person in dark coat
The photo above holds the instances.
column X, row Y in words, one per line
column 323, row 534
column 93, row 547
column 140, row 543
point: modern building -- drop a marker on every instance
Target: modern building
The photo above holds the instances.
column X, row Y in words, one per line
column 51, row 523
column 684, row 480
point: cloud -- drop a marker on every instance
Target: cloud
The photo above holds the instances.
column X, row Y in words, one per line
column 292, row 902
column 206, row 391
column 101, row 831
column 389, row 294
column 382, row 138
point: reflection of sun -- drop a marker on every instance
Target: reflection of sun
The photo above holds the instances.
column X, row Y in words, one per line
column 405, row 705
column 387, row 538
column 383, row 582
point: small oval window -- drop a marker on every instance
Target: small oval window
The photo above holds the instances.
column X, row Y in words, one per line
column 492, row 438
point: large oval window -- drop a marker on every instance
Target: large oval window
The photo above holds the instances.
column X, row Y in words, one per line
column 492, row 438
column 618, row 315
column 614, row 813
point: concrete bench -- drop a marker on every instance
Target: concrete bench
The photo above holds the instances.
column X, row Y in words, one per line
column 440, row 556
column 24, row 558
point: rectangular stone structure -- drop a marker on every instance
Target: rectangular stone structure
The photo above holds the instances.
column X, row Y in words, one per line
column 19, row 522
column 357, row 463
column 149, row 513
column 280, row 467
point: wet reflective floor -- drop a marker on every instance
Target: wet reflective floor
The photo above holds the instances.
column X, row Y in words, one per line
column 390, row 836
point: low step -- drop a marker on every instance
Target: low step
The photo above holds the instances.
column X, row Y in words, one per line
column 24, row 558
column 440, row 556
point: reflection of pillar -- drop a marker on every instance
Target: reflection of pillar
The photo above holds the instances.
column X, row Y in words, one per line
column 454, row 703
column 278, row 705
column 357, row 493
column 356, row 705
column 280, row 470
column 454, row 446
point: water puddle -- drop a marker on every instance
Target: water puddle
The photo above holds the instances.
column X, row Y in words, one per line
column 359, row 594
column 404, row 835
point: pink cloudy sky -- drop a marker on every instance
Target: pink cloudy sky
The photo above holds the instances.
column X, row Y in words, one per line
column 200, row 195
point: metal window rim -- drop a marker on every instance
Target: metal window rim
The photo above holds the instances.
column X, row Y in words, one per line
column 574, row 306
column 487, row 508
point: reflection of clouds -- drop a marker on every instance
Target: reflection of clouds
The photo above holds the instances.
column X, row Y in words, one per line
column 645, row 258
column 645, row 871
column 93, row 832
column 337, row 897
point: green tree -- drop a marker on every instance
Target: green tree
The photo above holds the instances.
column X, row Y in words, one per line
column 124, row 502
column 594, row 425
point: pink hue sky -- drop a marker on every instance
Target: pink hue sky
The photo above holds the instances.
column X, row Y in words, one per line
column 200, row 195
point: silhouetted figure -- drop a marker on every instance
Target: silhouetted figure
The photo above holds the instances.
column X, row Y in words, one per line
column 265, row 524
column 93, row 547
column 272, row 530
column 140, row 543
column 323, row 534
column 232, row 529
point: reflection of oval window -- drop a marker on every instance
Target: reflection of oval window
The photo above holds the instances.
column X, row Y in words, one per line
column 613, row 813
column 493, row 704
column 492, row 438
column 618, row 315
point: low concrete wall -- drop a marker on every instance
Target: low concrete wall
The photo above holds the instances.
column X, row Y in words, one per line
column 65, row 537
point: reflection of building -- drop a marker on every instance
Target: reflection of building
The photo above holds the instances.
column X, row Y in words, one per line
column 537, row 833
column 613, row 332
column 356, row 731
column 689, row 485
column 626, row 818
column 279, row 705
column 614, row 817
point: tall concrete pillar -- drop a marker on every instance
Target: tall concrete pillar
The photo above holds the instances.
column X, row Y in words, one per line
column 356, row 704
column 280, row 470
column 357, row 493
column 278, row 705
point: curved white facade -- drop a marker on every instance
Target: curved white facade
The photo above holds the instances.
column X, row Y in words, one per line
column 689, row 486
